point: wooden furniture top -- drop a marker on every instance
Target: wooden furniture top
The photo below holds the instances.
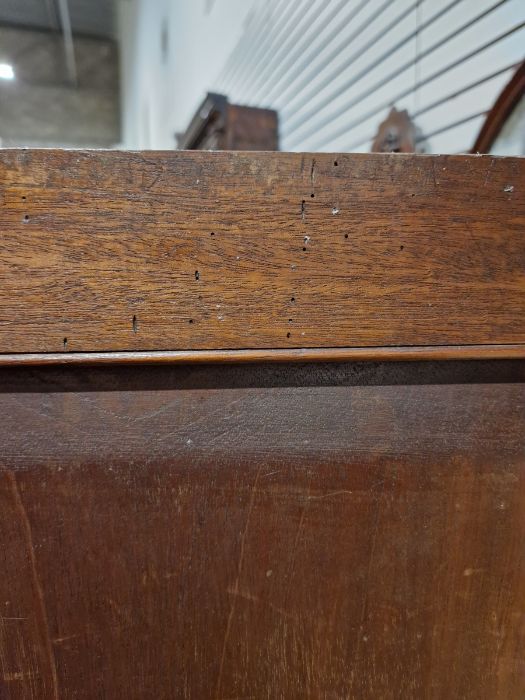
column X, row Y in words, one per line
column 269, row 255
column 220, row 125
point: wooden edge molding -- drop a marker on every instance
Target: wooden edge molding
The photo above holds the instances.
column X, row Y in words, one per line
column 212, row 108
column 372, row 354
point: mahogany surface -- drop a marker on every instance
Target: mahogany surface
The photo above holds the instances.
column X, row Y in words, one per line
column 263, row 531
column 262, row 426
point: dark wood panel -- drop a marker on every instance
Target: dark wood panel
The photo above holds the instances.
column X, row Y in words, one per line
column 179, row 251
column 324, row 531
column 219, row 125
column 252, row 129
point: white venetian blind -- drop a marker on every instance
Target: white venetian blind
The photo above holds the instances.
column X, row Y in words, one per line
column 333, row 68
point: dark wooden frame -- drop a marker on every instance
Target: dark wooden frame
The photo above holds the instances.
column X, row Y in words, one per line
column 511, row 94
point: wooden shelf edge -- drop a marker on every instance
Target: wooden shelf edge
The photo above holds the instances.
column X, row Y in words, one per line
column 390, row 354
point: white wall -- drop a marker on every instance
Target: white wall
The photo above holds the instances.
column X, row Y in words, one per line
column 322, row 64
column 159, row 97
column 41, row 109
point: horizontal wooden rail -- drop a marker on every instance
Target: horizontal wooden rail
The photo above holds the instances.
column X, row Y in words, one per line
column 199, row 252
column 444, row 352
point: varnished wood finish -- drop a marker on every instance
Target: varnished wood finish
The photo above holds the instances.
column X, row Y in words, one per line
column 284, row 531
column 258, row 524
column 427, row 352
column 113, row 251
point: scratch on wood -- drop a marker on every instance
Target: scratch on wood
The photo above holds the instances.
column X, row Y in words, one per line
column 59, row 640
column 235, row 589
column 487, row 176
column 296, row 539
column 329, row 495
column 375, row 532
column 255, row 599
column 152, row 184
column 36, row 580
column 434, row 173
column 16, row 676
column 277, row 471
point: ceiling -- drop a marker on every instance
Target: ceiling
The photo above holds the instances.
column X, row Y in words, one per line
column 92, row 17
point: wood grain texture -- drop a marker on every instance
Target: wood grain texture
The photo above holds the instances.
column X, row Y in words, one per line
column 108, row 251
column 284, row 531
column 392, row 354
